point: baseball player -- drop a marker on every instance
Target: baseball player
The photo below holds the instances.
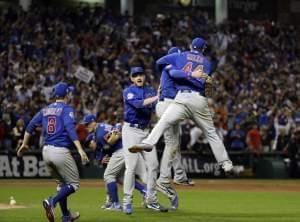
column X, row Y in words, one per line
column 109, row 150
column 171, row 154
column 139, row 102
column 58, row 127
column 190, row 101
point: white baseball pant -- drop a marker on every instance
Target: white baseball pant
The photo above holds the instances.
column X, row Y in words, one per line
column 132, row 136
column 171, row 154
column 190, row 105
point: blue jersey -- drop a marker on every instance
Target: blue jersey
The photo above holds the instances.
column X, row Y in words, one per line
column 58, row 124
column 187, row 62
column 167, row 84
column 134, row 110
column 103, row 147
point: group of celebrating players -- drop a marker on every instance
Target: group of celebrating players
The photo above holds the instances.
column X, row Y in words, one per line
column 185, row 85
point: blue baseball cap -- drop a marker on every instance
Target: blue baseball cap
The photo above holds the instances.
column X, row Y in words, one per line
column 61, row 89
column 174, row 50
column 198, row 43
column 88, row 119
column 135, row 70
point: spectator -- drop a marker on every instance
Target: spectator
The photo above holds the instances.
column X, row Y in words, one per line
column 253, row 140
column 293, row 149
column 17, row 133
column 46, row 45
column 237, row 139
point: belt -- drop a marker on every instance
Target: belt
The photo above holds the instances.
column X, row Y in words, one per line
column 136, row 125
column 190, row 91
column 165, row 99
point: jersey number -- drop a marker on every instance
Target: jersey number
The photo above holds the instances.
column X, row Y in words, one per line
column 51, row 128
column 189, row 66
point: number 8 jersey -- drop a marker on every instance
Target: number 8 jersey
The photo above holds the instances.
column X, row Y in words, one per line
column 58, row 124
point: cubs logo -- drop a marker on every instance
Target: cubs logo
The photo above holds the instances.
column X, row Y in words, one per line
column 130, row 96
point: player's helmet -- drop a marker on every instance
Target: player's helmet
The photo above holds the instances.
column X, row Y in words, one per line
column 88, row 119
column 135, row 71
column 199, row 44
column 174, row 50
column 61, row 89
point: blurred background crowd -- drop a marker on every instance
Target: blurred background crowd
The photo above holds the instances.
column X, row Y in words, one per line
column 256, row 103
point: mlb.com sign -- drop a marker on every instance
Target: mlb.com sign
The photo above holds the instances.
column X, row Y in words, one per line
column 27, row 166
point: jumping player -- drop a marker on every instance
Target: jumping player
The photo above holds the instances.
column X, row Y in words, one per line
column 139, row 102
column 190, row 102
column 58, row 126
column 109, row 150
column 171, row 154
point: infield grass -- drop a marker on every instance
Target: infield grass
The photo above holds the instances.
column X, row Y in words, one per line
column 195, row 205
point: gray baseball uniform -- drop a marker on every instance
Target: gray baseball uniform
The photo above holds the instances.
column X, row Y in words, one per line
column 171, row 155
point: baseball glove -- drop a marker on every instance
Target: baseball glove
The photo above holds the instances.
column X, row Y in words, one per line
column 209, row 87
column 112, row 137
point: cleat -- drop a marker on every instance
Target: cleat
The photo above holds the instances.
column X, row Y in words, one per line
column 187, row 182
column 75, row 216
column 114, row 207
column 71, row 218
column 172, row 195
column 140, row 148
column 106, row 205
column 127, row 209
column 166, row 189
column 227, row 166
column 49, row 208
column 157, row 207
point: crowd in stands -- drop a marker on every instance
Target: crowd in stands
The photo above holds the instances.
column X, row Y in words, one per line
column 256, row 102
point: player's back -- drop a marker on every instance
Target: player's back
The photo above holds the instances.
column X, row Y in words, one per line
column 55, row 118
column 167, row 84
column 191, row 60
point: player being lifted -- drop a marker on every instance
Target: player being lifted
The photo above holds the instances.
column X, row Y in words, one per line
column 190, row 101
column 58, row 127
column 139, row 102
column 107, row 142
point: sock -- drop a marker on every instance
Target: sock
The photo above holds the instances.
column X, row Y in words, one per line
column 64, row 192
column 64, row 207
column 112, row 189
column 140, row 187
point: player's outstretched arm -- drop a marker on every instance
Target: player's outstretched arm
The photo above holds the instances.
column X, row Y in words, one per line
column 150, row 100
column 35, row 122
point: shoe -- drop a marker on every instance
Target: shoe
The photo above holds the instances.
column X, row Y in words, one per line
column 71, row 218
column 172, row 195
column 114, row 207
column 227, row 166
column 106, row 205
column 49, row 208
column 75, row 216
column 157, row 206
column 166, row 189
column 187, row 182
column 140, row 148
column 127, row 209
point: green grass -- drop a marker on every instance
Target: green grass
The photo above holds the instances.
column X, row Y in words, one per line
column 206, row 206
